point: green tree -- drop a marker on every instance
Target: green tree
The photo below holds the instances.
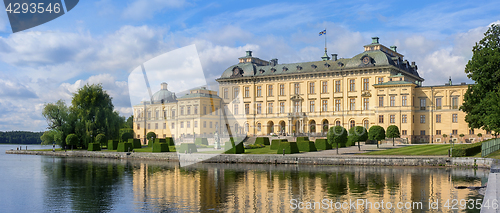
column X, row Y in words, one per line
column 479, row 135
column 125, row 136
column 59, row 119
column 461, row 137
column 393, row 132
column 150, row 135
column 337, row 135
column 93, row 108
column 445, row 136
column 129, row 123
column 482, row 99
column 48, row 137
column 101, row 139
column 72, row 140
column 358, row 134
column 376, row 133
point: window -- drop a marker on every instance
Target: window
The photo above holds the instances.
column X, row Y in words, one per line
column 235, row 109
column 311, row 106
column 404, row 118
column 156, row 125
column 352, row 104
column 337, row 86
column 454, row 132
column 337, row 123
column 236, row 92
column 259, row 127
column 224, row 94
column 195, row 110
column 438, row 118
column 381, row 119
column 204, row 124
column 157, row 116
column 149, row 116
column 422, row 119
column 403, row 100
column 189, row 110
column 195, row 124
column 404, row 132
column 282, row 89
column 182, row 124
column 392, row 119
column 296, row 106
column 282, row 107
column 381, row 101
column 366, row 84
column 311, row 88
column 165, row 114
column 270, row 90
column 366, row 124
column 138, row 126
column 210, row 124
column 259, row 108
column 422, row 104
column 454, row 118
column 182, row 110
column 270, row 108
column 454, row 102
column 352, row 85
column 324, row 105
column 259, row 91
column 422, row 132
column 297, row 88
column 471, row 131
column 338, row 105
column 438, row 132
column 188, row 124
column 380, row 80
column 366, row 103
column 172, row 125
column 352, row 123
column 438, row 103
column 324, row 87
column 247, row 92
column 247, row 109
column 164, row 125
column 216, row 111
column 392, row 101
column 204, row 110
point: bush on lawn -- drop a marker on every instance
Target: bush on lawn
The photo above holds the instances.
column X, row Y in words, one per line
column 262, row 140
column 302, row 139
column 306, row 146
column 160, row 147
column 112, row 144
column 189, row 147
column 254, row 146
column 124, row 147
column 201, row 141
column 289, row 147
column 170, row 141
column 275, row 143
column 135, row 142
column 466, row 150
column 322, row 144
column 231, row 148
column 94, row 147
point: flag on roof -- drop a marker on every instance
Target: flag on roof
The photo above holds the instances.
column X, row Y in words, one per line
column 322, row 32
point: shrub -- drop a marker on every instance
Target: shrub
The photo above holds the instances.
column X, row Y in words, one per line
column 262, row 140
column 302, row 139
column 170, row 141
column 356, row 134
column 94, row 147
column 135, row 142
column 150, row 135
column 337, row 134
column 124, row 147
column 72, row 140
column 160, row 147
column 254, row 146
column 289, row 147
column 275, row 144
column 201, row 141
column 101, row 139
column 189, row 147
column 467, row 150
column 231, row 148
column 112, row 144
column 306, row 146
column 322, row 144
column 125, row 136
column 126, row 130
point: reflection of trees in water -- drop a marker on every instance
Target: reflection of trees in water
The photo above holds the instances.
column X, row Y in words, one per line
column 336, row 184
column 357, row 182
column 89, row 186
column 376, row 183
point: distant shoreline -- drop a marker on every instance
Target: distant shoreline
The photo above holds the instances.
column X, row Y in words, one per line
column 362, row 160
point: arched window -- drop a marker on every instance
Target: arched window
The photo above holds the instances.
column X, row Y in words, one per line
column 337, row 123
column 366, row 124
column 352, row 123
column 246, row 127
column 259, row 127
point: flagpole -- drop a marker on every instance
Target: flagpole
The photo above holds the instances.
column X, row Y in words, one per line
column 325, row 40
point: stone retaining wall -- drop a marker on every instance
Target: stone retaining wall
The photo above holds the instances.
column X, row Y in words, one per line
column 280, row 159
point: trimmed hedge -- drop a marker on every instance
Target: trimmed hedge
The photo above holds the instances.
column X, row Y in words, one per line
column 467, row 150
column 150, row 143
column 94, row 147
column 160, row 140
column 306, row 146
column 170, row 141
column 322, row 144
column 160, row 147
column 289, row 147
column 302, row 139
column 275, row 144
column 189, row 147
column 231, row 148
column 262, row 140
column 201, row 141
column 135, row 142
column 112, row 144
column 124, row 147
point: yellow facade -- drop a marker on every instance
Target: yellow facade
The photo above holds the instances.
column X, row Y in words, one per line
column 376, row 87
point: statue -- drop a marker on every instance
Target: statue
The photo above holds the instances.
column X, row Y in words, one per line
column 216, row 138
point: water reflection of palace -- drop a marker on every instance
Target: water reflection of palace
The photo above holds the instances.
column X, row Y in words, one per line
column 270, row 188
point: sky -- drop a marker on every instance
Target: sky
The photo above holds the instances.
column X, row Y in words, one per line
column 103, row 41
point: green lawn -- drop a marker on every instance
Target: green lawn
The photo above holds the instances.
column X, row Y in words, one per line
column 495, row 155
column 415, row 150
column 263, row 150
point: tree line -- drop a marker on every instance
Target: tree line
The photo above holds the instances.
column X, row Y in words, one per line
column 20, row 137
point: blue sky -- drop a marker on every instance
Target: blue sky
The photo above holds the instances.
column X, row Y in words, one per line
column 103, row 41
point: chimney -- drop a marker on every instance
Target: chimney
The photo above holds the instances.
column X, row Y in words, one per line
column 274, row 62
column 334, row 57
column 393, row 48
column 249, row 53
column 164, row 86
column 374, row 40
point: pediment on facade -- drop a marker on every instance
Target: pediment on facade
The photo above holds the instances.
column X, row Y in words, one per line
column 366, row 94
column 296, row 97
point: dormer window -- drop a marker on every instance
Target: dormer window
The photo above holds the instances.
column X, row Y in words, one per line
column 299, row 67
column 273, row 69
column 313, row 66
column 327, row 65
column 285, row 69
column 261, row 71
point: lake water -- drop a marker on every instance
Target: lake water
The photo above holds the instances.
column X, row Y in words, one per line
column 46, row 184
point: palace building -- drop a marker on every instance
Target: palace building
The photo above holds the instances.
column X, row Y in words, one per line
column 376, row 87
